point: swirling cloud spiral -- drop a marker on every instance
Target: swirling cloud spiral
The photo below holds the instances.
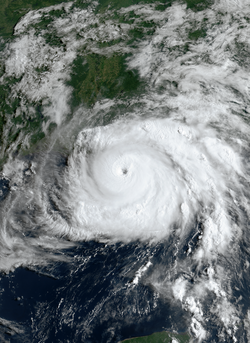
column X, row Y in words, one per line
column 145, row 179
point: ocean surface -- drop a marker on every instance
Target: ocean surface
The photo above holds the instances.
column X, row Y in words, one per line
column 124, row 185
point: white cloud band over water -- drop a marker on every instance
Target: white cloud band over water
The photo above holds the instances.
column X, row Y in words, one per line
column 142, row 179
column 173, row 164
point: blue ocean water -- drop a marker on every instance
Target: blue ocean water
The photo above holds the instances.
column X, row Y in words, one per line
column 91, row 299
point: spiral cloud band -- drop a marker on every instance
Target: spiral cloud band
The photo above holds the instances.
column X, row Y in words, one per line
column 145, row 179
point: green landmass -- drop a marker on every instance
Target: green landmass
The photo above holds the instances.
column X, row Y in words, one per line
column 194, row 35
column 195, row 5
column 95, row 76
column 160, row 337
column 164, row 5
column 43, row 27
column 12, row 10
column 116, row 4
column 16, row 124
column 199, row 5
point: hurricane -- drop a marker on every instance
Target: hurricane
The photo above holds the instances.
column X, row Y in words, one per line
column 124, row 184
column 144, row 179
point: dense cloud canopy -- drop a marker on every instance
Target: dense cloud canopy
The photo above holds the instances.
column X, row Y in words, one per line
column 125, row 167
